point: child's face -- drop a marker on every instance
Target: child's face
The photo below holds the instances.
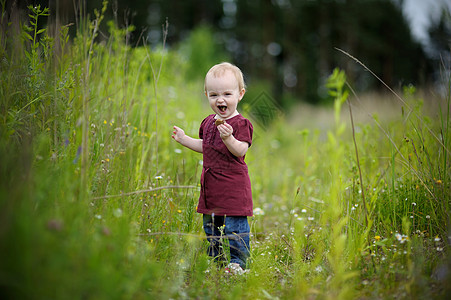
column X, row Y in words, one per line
column 223, row 94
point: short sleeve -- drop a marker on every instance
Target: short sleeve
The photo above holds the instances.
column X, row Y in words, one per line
column 201, row 128
column 244, row 131
column 201, row 131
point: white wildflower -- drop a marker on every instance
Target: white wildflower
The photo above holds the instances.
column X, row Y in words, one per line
column 259, row 212
column 117, row 213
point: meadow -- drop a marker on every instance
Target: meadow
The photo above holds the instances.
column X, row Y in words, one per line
column 351, row 200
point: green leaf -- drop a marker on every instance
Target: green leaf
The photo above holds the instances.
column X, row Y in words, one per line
column 40, row 31
column 27, row 28
column 381, row 243
column 333, row 93
column 332, row 139
column 341, row 128
column 345, row 95
column 27, row 36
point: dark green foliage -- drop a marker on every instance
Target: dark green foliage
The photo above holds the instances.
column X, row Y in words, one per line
column 306, row 31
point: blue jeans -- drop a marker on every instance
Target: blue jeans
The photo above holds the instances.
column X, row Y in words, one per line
column 236, row 231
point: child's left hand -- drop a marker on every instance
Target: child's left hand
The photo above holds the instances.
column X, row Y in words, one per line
column 225, row 130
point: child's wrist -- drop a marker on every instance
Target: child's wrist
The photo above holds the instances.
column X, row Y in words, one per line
column 224, row 138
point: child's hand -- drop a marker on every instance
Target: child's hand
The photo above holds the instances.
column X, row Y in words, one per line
column 235, row 146
column 225, row 130
column 187, row 141
column 178, row 134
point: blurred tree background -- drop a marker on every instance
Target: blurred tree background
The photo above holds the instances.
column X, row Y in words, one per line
column 286, row 46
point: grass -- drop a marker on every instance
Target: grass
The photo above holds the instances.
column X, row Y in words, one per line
column 98, row 202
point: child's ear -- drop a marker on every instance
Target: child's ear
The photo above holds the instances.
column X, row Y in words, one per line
column 242, row 92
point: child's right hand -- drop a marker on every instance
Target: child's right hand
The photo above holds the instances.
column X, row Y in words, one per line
column 178, row 134
column 187, row 141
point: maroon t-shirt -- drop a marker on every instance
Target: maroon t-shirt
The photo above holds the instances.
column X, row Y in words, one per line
column 225, row 183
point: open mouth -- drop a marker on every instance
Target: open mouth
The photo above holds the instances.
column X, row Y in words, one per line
column 222, row 108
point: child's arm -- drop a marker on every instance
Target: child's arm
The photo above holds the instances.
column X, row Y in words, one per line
column 187, row 141
column 235, row 146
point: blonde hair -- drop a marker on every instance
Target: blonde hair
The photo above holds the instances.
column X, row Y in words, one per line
column 220, row 69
